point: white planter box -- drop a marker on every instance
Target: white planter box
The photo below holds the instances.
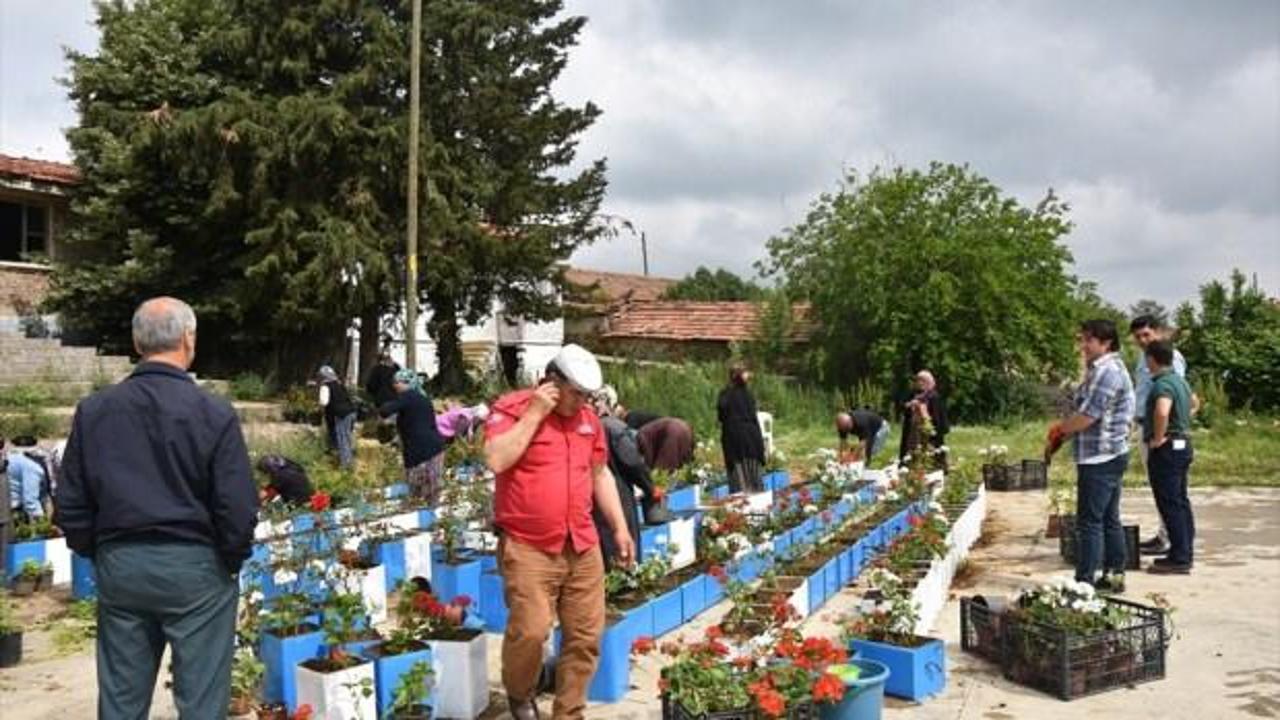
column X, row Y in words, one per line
column 417, row 556
column 371, row 584
column 267, row 530
column 684, row 537
column 480, row 540
column 462, row 677
column 799, row 600
column 761, row 502
column 404, row 521
column 338, row 695
column 58, row 554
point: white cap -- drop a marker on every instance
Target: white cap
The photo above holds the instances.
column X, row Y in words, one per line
column 580, row 368
column 608, row 395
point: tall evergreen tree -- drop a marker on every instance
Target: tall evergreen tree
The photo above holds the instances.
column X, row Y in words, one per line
column 248, row 155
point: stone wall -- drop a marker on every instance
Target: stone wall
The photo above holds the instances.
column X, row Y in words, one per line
column 22, row 285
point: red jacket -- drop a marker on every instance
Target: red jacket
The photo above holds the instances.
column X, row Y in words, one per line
column 546, row 497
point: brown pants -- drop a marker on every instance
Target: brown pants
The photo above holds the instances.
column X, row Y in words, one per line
column 540, row 587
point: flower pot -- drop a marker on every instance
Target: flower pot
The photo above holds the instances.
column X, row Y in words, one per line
column 390, row 555
column 654, row 540
column 388, row 669
column 667, row 611
column 463, row 669
column 817, row 584
column 83, row 585
column 831, row 574
column 684, row 538
column 280, row 655
column 863, row 696
column 417, row 712
column 23, row 586
column 371, row 585
column 685, row 498
column 45, row 582
column 914, row 672
column 10, row 649
column 339, row 694
column 1054, row 528
column 449, row 580
column 494, row 606
column 418, row 556
column 693, row 598
column 613, row 673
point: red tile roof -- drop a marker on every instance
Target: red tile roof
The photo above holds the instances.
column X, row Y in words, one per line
column 610, row 287
column 39, row 170
column 689, row 320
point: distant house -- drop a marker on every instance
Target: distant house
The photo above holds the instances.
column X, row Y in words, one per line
column 690, row 330
column 34, row 205
column 594, row 294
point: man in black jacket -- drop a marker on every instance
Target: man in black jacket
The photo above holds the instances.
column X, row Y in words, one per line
column 156, row 488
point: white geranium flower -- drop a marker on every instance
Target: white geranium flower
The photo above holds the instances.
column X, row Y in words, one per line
column 810, row 509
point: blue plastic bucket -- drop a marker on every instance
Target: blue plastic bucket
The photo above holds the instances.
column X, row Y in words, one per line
column 863, row 697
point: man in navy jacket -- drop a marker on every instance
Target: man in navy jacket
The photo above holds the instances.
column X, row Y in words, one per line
column 156, row 488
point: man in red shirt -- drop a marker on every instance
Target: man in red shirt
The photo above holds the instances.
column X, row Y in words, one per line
column 548, row 450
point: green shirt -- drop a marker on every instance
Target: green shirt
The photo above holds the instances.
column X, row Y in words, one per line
column 1171, row 385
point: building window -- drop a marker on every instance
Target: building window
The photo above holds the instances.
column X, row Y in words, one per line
column 24, row 230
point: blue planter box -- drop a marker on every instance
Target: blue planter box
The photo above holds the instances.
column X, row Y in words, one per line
column 390, row 555
column 654, row 540
column 494, row 606
column 83, row 585
column 831, row 574
column 641, row 618
column 613, row 674
column 449, row 581
column 914, row 673
column 387, row 671
column 281, row 657
column 817, row 590
column 667, row 612
column 685, row 498
column 719, row 492
column 713, row 590
column 18, row 553
column 426, row 518
column 747, row 568
column 488, row 561
column 693, row 598
column 777, row 480
column 781, row 542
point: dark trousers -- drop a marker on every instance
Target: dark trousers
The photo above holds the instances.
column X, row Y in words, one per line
column 1167, row 472
column 153, row 593
column 1099, row 535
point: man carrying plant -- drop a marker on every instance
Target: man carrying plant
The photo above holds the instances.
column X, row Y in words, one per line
column 871, row 430
column 547, row 448
column 1104, row 408
column 1167, row 435
column 156, row 488
column 1145, row 330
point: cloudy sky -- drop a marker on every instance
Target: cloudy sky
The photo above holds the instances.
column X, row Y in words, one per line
column 1159, row 122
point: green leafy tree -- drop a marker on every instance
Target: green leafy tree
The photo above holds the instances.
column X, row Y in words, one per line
column 935, row 268
column 1150, row 307
column 248, row 156
column 1235, row 339
column 707, row 285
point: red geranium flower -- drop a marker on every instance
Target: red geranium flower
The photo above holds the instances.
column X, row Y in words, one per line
column 642, row 646
column 916, row 521
column 715, row 632
column 302, row 713
column 422, row 601
column 462, row 601
column 771, row 703
column 270, row 492
column 717, row 572
column 320, row 501
column 828, row 688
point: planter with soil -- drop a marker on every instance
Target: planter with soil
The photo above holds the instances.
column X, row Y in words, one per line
column 462, row 656
column 337, row 690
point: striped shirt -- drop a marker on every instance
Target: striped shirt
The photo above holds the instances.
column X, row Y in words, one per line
column 1106, row 396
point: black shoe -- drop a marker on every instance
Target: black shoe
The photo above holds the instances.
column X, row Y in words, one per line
column 1154, row 546
column 1165, row 566
column 1110, row 584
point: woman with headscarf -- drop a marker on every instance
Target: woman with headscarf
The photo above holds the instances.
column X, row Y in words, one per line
column 419, row 438
column 740, row 435
column 339, row 415
column 926, row 405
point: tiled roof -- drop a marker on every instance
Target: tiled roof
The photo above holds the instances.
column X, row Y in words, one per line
column 39, row 170
column 609, row 287
column 689, row 320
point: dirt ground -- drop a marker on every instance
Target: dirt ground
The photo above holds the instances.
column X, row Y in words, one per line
column 1225, row 662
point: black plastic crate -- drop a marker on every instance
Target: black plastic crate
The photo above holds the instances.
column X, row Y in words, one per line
column 1001, row 478
column 1067, row 666
column 672, row 710
column 1035, row 475
column 1067, row 543
column 981, row 630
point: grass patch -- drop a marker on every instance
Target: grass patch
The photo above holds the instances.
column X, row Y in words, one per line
column 76, row 630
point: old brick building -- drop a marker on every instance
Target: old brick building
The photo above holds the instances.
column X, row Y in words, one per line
column 34, row 205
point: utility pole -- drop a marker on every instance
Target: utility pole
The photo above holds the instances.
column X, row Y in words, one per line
column 411, row 276
column 644, row 252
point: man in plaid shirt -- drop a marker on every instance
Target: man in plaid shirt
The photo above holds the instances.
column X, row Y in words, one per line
column 1104, row 407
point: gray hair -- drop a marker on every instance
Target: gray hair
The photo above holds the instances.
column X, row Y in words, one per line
column 159, row 324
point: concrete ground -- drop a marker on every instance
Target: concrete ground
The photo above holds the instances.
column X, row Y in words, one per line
column 1225, row 662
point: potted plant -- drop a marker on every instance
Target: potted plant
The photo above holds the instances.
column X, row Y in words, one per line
column 246, row 681
column 10, row 635
column 412, row 693
column 457, row 652
column 27, row 579
column 365, row 578
column 887, row 634
column 290, row 635
column 453, row 571
column 339, row 684
column 401, row 654
column 996, row 473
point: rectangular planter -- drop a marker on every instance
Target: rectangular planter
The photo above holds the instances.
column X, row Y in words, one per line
column 761, row 502
column 426, row 518
column 914, row 673
column 338, row 695
column 777, row 480
column 493, row 608
column 390, row 555
column 685, row 498
column 418, row 556
column 613, row 673
column 831, row 573
column 713, row 590
column 641, row 618
column 449, row 581
column 371, row 584
column 387, row 671
column 817, row 584
column 83, row 585
column 781, row 543
column 52, row 551
column 693, row 598
column 667, row 612
column 654, row 540
column 462, row 677
column 684, row 538
column 281, row 656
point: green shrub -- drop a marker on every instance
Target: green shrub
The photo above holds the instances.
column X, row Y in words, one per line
column 34, row 422
column 25, row 397
column 302, row 406
column 249, row 386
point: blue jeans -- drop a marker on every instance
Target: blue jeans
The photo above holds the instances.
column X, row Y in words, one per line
column 1167, row 472
column 1099, row 535
column 877, row 442
column 344, row 438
